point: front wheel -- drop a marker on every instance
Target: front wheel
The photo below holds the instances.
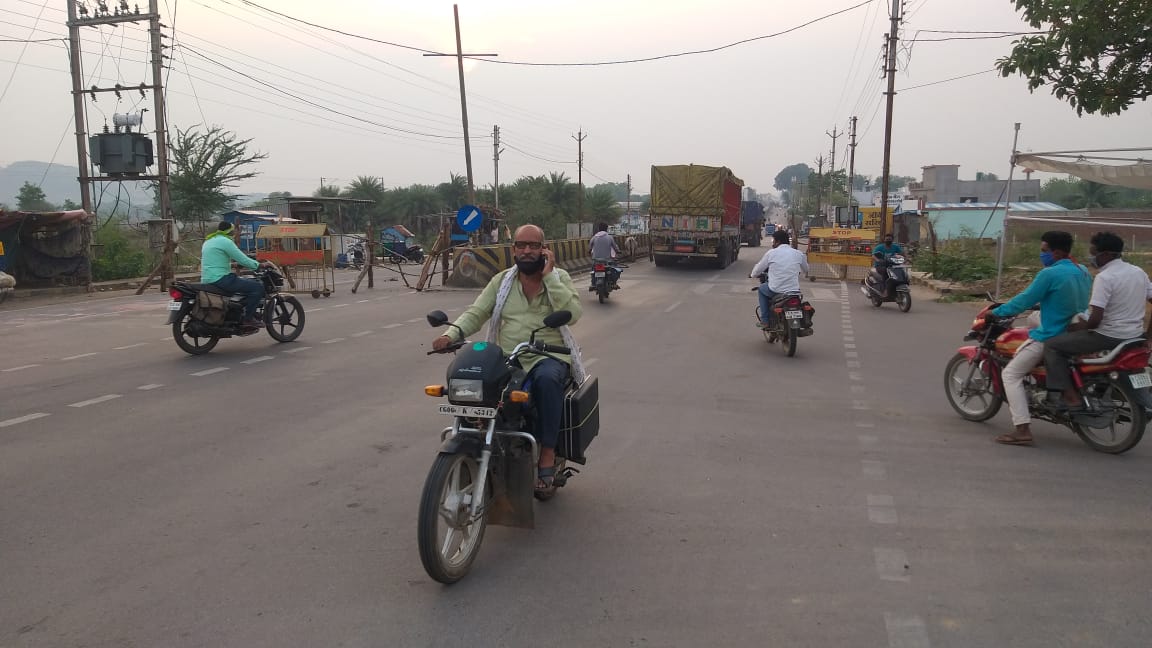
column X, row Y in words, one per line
column 447, row 534
column 284, row 318
column 968, row 385
column 188, row 341
column 904, row 300
column 1126, row 425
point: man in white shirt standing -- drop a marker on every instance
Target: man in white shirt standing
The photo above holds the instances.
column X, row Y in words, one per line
column 784, row 265
column 1115, row 314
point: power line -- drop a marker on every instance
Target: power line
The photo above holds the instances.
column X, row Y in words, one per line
column 24, row 49
column 533, row 155
column 964, row 76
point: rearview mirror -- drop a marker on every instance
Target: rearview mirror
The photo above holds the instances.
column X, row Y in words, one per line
column 437, row 318
column 558, row 319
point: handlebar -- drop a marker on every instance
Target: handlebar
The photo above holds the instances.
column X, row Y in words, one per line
column 552, row 348
column 451, row 348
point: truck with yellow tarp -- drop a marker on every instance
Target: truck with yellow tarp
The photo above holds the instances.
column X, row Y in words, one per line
column 694, row 214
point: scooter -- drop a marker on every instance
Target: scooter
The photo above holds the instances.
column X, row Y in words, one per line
column 887, row 281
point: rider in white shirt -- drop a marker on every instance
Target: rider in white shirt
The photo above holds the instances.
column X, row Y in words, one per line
column 784, row 265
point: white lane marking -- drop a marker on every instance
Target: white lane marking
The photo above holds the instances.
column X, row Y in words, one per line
column 865, row 424
column 589, row 361
column 906, row 631
column 333, row 341
column 22, row 419
column 867, row 439
column 209, row 372
column 737, row 289
column 149, row 387
column 882, row 509
column 874, row 469
column 849, row 345
column 297, row 350
column 672, row 307
column 93, row 401
column 860, row 405
column 848, row 338
column 700, row 289
column 452, row 310
column 363, row 301
column 20, row 368
column 82, row 355
column 892, row 564
column 415, row 319
column 361, row 334
column 257, row 359
column 851, row 354
column 131, row 346
column 855, row 375
column 165, row 339
column 392, row 326
column 853, row 364
column 341, row 305
column 856, row 389
column 715, row 277
column 317, row 309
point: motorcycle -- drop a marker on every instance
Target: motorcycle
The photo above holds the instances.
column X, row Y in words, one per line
column 201, row 313
column 1112, row 386
column 893, row 288
column 7, row 286
column 792, row 319
column 605, row 278
column 485, row 471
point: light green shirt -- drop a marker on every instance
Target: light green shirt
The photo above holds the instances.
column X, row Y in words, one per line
column 215, row 256
column 521, row 316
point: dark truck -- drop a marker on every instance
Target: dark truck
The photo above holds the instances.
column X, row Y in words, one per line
column 694, row 214
column 751, row 222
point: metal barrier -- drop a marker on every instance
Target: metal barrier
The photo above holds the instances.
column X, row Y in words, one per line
column 474, row 267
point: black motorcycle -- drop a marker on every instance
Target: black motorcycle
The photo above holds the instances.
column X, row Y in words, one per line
column 791, row 319
column 485, row 472
column 887, row 281
column 605, row 279
column 202, row 313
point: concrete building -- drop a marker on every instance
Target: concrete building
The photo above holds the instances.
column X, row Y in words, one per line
column 941, row 183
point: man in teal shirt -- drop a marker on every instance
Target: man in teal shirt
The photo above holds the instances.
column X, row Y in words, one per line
column 1062, row 290
column 216, row 256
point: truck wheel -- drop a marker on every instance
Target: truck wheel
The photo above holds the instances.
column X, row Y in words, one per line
column 661, row 260
column 724, row 256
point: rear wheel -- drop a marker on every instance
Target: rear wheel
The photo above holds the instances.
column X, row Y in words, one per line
column 602, row 291
column 1125, row 427
column 662, row 260
column 789, row 341
column 904, row 300
column 188, row 341
column 447, row 534
column 969, row 388
column 284, row 318
column 723, row 256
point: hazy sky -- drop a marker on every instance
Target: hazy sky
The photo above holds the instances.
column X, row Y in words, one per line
column 755, row 108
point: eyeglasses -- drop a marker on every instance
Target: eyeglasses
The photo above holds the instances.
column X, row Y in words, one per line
column 532, row 245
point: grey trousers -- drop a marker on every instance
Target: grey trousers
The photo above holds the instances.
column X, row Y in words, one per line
column 1059, row 351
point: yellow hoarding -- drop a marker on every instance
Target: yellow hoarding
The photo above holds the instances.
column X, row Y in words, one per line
column 841, row 246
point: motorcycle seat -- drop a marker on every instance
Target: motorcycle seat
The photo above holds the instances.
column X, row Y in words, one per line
column 1111, row 356
column 206, row 287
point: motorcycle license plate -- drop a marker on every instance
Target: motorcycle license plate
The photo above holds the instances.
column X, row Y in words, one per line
column 1140, row 380
column 469, row 411
column 174, row 305
column 598, row 274
column 794, row 315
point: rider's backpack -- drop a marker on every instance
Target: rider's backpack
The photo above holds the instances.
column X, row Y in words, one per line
column 210, row 308
column 580, row 422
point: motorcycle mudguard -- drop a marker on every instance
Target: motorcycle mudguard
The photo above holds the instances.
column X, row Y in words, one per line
column 174, row 316
column 969, row 352
column 463, row 444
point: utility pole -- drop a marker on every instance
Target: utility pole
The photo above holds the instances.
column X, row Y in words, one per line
column 628, row 196
column 852, row 164
column 890, row 70
column 78, row 108
column 832, row 172
column 463, row 102
column 819, row 185
column 496, row 151
column 580, row 170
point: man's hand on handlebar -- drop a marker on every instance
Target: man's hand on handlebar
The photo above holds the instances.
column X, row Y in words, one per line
column 441, row 343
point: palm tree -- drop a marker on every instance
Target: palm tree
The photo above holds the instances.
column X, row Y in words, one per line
column 454, row 193
column 1092, row 195
column 600, row 205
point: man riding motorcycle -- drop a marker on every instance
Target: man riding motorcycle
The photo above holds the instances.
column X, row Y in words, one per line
column 603, row 248
column 216, row 256
column 1062, row 290
column 783, row 263
column 1116, row 314
column 880, row 253
column 538, row 289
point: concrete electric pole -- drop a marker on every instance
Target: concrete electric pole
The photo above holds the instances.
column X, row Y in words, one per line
column 580, row 171
column 890, row 70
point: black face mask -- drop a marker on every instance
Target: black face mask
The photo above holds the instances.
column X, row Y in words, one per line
column 531, row 267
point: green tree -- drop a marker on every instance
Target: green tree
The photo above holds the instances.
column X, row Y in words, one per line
column 798, row 172
column 454, row 193
column 984, row 175
column 1094, row 55
column 68, row 205
column 32, row 198
column 122, row 254
column 1092, row 195
column 327, row 191
column 205, row 165
column 600, row 205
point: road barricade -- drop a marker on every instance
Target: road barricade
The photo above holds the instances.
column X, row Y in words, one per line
column 474, row 267
column 840, row 253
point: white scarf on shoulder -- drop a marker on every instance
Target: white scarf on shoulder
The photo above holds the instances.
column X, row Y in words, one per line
column 578, row 373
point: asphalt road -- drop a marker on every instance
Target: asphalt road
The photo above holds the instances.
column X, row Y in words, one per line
column 266, row 494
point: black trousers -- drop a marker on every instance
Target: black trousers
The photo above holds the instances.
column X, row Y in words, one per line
column 1059, row 351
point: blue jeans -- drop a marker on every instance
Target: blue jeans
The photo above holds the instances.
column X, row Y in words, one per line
column 547, row 380
column 253, row 292
column 766, row 296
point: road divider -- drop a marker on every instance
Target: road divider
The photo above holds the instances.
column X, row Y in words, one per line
column 474, row 267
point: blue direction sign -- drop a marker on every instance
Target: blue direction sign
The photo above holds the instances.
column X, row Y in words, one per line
column 469, row 218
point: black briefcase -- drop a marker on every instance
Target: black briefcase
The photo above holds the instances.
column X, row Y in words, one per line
column 580, row 422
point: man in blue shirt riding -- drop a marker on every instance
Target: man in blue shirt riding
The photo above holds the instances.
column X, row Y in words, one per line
column 216, row 256
column 1062, row 290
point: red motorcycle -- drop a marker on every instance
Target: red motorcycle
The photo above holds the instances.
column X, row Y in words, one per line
column 1113, row 417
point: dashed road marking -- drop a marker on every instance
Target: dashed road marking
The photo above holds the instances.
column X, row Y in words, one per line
column 853, row 364
column 861, row 405
column 317, row 309
column 867, row 439
column 363, row 301
column 131, row 346
column 849, row 345
column 209, row 372
column 23, row 419
column 874, row 469
column 333, row 340
column 149, row 387
column 856, row 389
column 700, row 289
column 735, row 289
column 82, row 355
column 851, row 354
column 672, row 307
column 253, row 361
column 392, row 326
column 414, row 320
column 20, row 368
column 361, row 334
column 93, row 401
column 297, row 350
column 588, row 362
column 906, row 631
column 855, row 375
column 865, row 424
column 892, row 564
column 882, row 509
column 341, row 305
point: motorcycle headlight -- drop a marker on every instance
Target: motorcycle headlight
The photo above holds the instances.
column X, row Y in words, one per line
column 469, row 391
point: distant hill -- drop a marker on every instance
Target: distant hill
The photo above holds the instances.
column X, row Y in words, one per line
column 60, row 184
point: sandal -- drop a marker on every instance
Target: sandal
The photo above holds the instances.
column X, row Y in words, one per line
column 1012, row 439
column 545, row 482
